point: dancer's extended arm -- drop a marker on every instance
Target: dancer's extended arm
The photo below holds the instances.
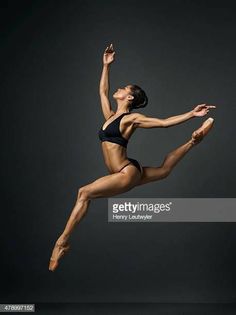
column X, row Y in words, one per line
column 108, row 58
column 178, row 119
column 142, row 121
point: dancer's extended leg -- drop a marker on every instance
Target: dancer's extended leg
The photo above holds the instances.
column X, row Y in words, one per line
column 156, row 173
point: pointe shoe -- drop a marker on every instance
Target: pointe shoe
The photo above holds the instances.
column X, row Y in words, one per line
column 53, row 264
column 201, row 132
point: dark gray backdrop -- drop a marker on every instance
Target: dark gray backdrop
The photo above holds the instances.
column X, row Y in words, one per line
column 182, row 53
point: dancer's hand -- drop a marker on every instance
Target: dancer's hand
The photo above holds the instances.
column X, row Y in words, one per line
column 108, row 56
column 202, row 109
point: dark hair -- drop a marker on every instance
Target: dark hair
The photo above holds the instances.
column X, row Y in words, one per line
column 140, row 98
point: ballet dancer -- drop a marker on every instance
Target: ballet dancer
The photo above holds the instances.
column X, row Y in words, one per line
column 126, row 172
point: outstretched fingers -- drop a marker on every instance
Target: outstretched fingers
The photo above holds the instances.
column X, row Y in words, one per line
column 109, row 49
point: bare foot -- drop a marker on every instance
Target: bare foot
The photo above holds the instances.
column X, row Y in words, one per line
column 201, row 132
column 59, row 250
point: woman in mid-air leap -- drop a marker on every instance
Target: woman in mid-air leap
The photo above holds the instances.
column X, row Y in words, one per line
column 125, row 172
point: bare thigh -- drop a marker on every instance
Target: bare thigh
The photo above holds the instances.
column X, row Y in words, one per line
column 151, row 174
column 111, row 185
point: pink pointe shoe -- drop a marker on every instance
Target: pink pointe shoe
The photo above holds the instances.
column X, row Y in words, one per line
column 54, row 261
column 201, row 132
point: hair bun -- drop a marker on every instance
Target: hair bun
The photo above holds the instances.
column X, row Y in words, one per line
column 145, row 102
column 140, row 97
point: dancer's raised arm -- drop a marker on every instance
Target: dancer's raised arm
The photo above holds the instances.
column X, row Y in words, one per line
column 108, row 58
column 142, row 121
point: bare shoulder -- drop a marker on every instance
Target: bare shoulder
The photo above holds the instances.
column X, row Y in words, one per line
column 110, row 115
column 132, row 119
column 134, row 116
column 137, row 115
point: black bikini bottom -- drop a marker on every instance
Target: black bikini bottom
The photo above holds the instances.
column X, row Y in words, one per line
column 135, row 163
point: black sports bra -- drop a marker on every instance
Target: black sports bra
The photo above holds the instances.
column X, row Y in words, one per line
column 112, row 132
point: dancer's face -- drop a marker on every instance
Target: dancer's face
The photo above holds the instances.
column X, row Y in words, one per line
column 123, row 93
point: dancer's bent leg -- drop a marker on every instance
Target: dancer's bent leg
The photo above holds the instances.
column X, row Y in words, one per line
column 106, row 186
column 156, row 173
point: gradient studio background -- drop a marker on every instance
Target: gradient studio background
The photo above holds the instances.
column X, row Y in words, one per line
column 182, row 53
